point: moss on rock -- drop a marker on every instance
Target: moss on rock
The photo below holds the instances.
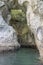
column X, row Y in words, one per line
column 18, row 15
column 18, row 21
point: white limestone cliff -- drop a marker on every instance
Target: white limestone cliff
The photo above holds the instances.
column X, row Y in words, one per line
column 34, row 15
column 8, row 36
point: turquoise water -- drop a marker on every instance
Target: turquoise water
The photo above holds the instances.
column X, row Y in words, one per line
column 21, row 57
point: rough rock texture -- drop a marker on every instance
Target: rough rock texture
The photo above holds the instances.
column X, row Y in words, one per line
column 34, row 16
column 9, row 3
column 17, row 20
column 8, row 36
column 5, row 12
column 25, row 37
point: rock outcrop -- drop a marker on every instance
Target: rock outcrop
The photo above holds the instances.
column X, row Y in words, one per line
column 18, row 21
column 8, row 36
column 34, row 15
column 13, row 12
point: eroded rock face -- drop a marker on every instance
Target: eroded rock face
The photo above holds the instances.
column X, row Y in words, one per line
column 34, row 12
column 5, row 12
column 34, row 15
column 40, row 34
column 9, row 3
column 5, row 7
column 8, row 36
column 25, row 37
column 1, row 4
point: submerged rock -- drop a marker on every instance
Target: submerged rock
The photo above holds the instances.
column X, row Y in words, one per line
column 8, row 36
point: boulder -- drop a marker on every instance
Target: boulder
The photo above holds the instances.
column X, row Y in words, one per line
column 8, row 36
